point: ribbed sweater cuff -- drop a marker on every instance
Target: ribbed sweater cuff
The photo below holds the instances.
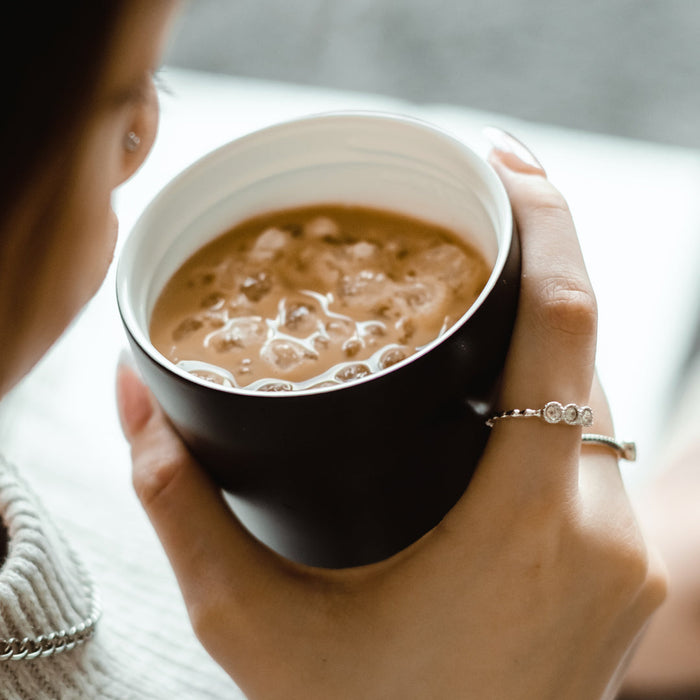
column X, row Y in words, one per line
column 43, row 589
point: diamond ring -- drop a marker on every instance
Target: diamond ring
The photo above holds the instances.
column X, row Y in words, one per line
column 552, row 413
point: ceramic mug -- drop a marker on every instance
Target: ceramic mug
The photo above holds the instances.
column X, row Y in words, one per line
column 345, row 475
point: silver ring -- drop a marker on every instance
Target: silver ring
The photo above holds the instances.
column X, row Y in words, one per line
column 552, row 413
column 624, row 450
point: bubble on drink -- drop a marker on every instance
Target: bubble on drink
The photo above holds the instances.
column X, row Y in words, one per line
column 285, row 355
column 275, row 386
column 255, row 287
column 186, row 327
column 406, row 328
column 213, row 301
column 450, row 264
column 351, row 372
column 392, row 356
column 270, row 244
column 339, row 328
column 373, row 329
column 418, row 294
column 322, row 227
column 243, row 332
column 209, row 372
column 365, row 287
column 214, row 318
column 300, row 317
column 316, row 297
column 363, row 250
column 352, row 346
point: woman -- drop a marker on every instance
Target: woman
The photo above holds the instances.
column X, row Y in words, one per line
column 544, row 601
column 79, row 117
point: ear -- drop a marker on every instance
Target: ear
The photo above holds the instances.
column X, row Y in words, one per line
column 140, row 134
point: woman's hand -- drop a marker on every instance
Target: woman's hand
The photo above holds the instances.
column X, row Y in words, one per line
column 535, row 585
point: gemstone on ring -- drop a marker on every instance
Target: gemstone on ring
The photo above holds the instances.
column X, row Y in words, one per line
column 553, row 412
column 586, row 416
column 571, row 414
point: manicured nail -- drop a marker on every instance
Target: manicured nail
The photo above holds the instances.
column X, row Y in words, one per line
column 507, row 143
column 133, row 398
column 126, row 359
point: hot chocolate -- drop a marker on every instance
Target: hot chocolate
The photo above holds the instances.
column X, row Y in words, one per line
column 314, row 296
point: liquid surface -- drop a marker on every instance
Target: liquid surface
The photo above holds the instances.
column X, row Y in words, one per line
column 316, row 296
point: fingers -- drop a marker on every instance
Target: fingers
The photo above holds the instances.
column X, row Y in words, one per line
column 555, row 333
column 198, row 531
column 552, row 353
column 599, row 473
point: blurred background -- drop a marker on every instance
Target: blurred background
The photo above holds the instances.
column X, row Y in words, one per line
column 622, row 67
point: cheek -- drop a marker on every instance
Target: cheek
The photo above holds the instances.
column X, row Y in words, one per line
column 91, row 224
column 77, row 245
column 100, row 238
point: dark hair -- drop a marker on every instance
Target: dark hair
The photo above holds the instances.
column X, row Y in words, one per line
column 48, row 81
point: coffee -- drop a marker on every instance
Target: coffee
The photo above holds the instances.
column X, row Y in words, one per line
column 314, row 296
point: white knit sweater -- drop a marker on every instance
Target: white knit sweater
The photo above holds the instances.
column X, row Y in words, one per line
column 44, row 588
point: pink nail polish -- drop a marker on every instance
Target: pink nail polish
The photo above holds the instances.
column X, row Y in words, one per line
column 507, row 143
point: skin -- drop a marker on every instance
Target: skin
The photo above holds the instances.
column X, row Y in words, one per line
column 544, row 600
column 668, row 658
column 74, row 214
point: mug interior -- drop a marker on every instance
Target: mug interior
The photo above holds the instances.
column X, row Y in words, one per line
column 376, row 160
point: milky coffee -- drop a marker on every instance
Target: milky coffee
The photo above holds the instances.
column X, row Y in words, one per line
column 314, row 296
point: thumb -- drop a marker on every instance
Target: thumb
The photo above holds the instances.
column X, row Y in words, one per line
column 200, row 534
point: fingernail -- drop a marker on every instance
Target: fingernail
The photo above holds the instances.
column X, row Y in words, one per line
column 133, row 398
column 126, row 359
column 507, row 144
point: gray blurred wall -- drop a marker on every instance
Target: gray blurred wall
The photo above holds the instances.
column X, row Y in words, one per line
column 623, row 67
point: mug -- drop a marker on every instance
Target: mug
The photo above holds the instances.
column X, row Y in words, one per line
column 351, row 474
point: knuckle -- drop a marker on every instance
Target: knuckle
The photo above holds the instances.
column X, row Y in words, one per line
column 631, row 569
column 153, row 473
column 542, row 198
column 656, row 585
column 204, row 617
column 632, row 566
column 637, row 583
column 550, row 201
column 631, row 581
column 568, row 306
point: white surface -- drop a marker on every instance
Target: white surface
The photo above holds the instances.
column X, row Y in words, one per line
column 638, row 215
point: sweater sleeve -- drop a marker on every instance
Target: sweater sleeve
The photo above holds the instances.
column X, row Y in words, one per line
column 44, row 589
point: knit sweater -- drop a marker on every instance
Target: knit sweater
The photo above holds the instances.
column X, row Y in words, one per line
column 44, row 588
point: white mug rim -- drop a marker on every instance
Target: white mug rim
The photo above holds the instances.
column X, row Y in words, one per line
column 130, row 247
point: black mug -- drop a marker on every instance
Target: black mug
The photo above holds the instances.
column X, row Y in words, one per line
column 345, row 475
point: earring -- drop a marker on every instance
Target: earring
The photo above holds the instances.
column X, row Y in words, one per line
column 131, row 142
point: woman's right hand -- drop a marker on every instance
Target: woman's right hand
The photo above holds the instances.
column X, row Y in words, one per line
column 535, row 586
